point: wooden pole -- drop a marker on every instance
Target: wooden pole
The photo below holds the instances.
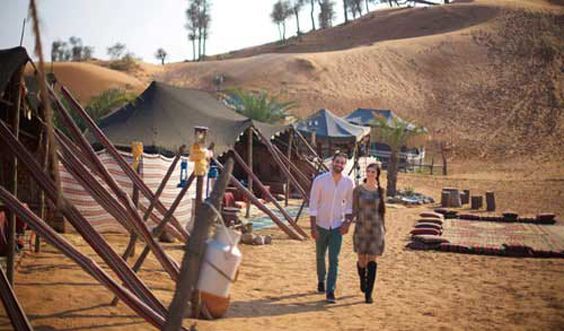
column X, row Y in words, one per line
column 45, row 144
column 15, row 94
column 287, row 216
column 194, row 252
column 250, row 163
column 12, row 306
column 291, row 165
column 101, row 137
column 432, row 165
column 261, row 206
column 289, row 157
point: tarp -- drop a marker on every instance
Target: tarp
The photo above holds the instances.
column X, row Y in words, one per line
column 365, row 116
column 163, row 117
column 10, row 61
column 325, row 124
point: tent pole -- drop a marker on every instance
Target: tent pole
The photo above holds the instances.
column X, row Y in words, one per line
column 250, row 163
column 12, row 306
column 288, row 188
column 152, row 316
column 83, row 227
column 304, row 202
column 45, row 162
column 160, row 228
column 15, row 94
column 292, row 166
column 101, row 137
column 261, row 206
column 287, row 216
column 113, row 206
column 280, row 163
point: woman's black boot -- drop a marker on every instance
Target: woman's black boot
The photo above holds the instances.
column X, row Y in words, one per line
column 362, row 276
column 371, row 267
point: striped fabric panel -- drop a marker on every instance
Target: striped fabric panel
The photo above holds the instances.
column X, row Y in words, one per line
column 153, row 169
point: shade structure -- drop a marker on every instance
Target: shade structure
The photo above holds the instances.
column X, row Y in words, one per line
column 163, row 118
column 367, row 116
column 327, row 125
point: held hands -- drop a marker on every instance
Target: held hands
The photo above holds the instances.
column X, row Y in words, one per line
column 344, row 228
column 314, row 233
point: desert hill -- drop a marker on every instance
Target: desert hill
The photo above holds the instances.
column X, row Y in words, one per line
column 486, row 75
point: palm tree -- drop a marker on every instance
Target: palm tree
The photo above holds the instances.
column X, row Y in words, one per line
column 259, row 106
column 396, row 134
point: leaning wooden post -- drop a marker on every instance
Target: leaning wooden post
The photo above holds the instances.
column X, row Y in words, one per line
column 249, row 195
column 12, row 306
column 311, row 150
column 280, row 163
column 15, row 93
column 250, row 163
column 45, row 162
column 137, row 153
column 102, row 139
column 288, row 188
column 432, row 165
column 194, row 252
column 269, row 195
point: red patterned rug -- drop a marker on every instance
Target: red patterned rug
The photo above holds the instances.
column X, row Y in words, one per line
column 496, row 238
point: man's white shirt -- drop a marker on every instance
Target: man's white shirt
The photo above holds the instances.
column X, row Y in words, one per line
column 330, row 200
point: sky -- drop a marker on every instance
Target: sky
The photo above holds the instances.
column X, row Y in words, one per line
column 146, row 25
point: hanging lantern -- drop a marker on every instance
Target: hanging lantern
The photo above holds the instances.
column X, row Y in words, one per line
column 198, row 153
column 183, row 173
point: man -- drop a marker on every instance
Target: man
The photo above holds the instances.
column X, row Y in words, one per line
column 330, row 201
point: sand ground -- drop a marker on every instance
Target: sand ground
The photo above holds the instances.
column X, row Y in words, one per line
column 275, row 289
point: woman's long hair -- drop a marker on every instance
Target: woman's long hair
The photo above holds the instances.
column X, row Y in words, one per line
column 382, row 207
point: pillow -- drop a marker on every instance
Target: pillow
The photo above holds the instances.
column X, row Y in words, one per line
column 425, row 231
column 429, row 239
column 428, row 226
column 430, row 220
column 431, row 215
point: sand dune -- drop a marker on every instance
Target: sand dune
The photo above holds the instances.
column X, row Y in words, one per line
column 86, row 80
column 486, row 74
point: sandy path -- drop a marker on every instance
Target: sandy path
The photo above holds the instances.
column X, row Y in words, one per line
column 275, row 291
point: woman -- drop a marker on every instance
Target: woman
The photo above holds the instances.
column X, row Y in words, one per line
column 368, row 238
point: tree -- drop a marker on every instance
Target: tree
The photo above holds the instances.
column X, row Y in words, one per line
column 198, row 22
column 280, row 13
column 72, row 50
column 395, row 134
column 312, row 4
column 345, row 9
column 116, row 51
column 327, row 13
column 161, row 54
column 296, row 7
column 259, row 106
column 192, row 26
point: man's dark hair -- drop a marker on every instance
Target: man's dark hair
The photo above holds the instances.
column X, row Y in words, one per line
column 340, row 154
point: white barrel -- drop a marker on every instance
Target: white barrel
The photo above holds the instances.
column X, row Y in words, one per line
column 221, row 262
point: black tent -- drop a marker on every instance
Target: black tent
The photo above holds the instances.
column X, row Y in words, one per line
column 366, row 116
column 11, row 60
column 163, row 117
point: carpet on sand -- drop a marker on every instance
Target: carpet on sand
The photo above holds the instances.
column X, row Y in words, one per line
column 495, row 238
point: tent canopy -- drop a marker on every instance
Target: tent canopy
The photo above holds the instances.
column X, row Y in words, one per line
column 327, row 125
column 11, row 60
column 164, row 116
column 365, row 116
